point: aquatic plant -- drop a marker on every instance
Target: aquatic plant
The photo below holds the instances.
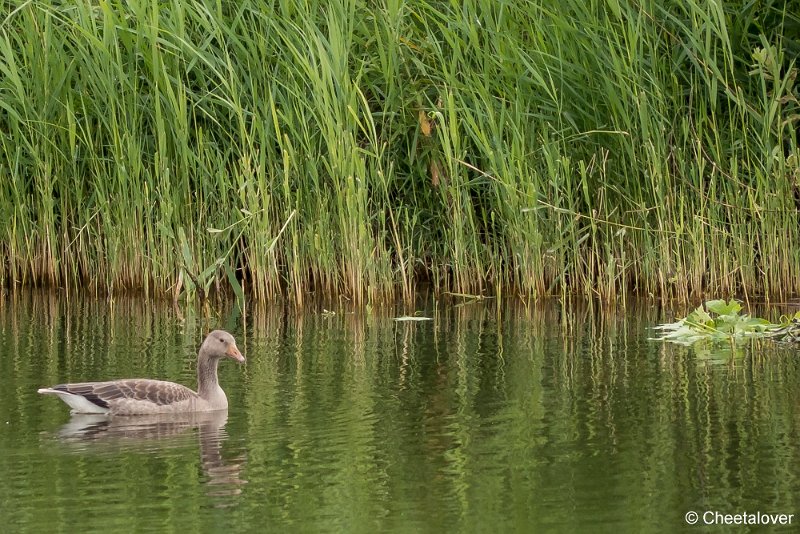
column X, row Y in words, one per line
column 361, row 150
column 718, row 320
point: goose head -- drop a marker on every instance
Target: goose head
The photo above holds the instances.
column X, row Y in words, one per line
column 220, row 344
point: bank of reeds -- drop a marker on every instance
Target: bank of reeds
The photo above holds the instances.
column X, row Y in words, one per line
column 361, row 149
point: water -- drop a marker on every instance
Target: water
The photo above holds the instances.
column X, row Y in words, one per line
column 545, row 419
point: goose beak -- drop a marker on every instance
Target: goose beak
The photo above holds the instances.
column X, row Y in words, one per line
column 233, row 352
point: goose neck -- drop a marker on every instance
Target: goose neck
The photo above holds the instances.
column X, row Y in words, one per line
column 207, row 382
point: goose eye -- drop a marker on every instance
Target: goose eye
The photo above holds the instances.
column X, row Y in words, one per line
column 221, row 340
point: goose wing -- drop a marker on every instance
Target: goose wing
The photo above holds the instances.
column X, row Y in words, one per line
column 106, row 394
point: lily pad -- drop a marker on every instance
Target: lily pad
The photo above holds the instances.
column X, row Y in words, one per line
column 717, row 321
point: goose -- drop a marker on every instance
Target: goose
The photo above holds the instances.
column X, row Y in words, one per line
column 141, row 396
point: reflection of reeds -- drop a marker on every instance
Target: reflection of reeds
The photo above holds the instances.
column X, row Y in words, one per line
column 363, row 151
column 486, row 407
column 93, row 434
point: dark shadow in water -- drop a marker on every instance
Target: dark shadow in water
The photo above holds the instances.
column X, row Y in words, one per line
column 160, row 432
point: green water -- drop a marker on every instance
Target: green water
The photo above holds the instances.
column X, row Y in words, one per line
column 546, row 419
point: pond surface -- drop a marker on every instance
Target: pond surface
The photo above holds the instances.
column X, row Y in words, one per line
column 553, row 418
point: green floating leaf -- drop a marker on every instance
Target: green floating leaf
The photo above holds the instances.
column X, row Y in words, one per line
column 720, row 307
column 720, row 321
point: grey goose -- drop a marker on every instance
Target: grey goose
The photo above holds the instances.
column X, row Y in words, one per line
column 139, row 396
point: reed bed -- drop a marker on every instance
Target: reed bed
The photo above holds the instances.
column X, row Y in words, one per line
column 289, row 149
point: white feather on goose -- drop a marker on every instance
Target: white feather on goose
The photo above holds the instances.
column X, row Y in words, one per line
column 135, row 396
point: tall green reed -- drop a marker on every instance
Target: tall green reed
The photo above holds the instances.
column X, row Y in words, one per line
column 292, row 150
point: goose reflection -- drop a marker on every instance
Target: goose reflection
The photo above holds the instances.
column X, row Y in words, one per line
column 159, row 432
